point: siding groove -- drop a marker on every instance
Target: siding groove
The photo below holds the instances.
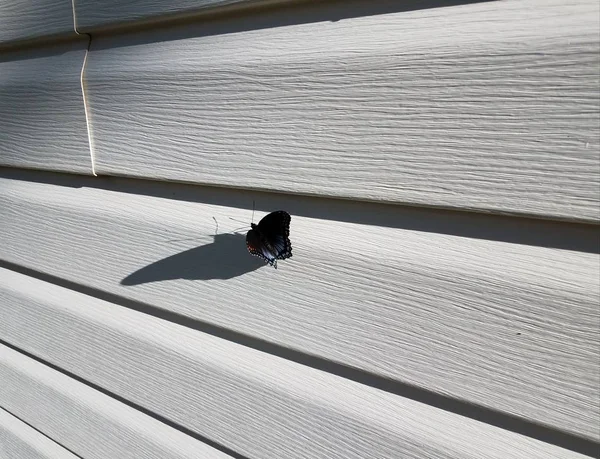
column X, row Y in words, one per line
column 18, row 440
column 272, row 403
column 440, row 163
column 490, row 107
column 501, row 420
column 88, row 422
column 454, row 309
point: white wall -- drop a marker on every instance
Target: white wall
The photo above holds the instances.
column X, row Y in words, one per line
column 441, row 166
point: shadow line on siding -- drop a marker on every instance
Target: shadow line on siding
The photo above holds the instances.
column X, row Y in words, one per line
column 34, row 427
column 514, row 229
column 251, row 16
column 506, row 421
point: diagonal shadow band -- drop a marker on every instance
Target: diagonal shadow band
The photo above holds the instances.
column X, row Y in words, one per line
column 224, row 258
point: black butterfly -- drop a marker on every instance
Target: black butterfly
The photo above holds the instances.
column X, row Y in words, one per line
column 269, row 239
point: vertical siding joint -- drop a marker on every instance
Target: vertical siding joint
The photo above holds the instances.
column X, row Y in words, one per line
column 83, row 91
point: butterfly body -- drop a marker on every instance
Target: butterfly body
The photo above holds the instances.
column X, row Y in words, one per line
column 269, row 239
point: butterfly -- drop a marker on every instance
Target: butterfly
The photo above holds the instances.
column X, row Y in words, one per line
column 269, row 239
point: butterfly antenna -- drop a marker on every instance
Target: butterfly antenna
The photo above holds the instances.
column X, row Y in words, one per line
column 237, row 229
column 253, row 206
column 217, row 227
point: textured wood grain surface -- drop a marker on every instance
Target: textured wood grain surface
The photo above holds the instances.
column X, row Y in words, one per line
column 42, row 117
column 491, row 106
column 89, row 423
column 97, row 14
column 507, row 326
column 27, row 19
column 20, row 441
column 254, row 403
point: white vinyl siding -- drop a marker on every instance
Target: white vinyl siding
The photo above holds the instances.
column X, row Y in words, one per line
column 440, row 163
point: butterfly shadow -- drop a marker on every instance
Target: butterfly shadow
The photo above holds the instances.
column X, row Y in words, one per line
column 225, row 258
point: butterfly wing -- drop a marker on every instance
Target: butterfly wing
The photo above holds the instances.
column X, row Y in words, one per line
column 258, row 247
column 275, row 229
column 269, row 239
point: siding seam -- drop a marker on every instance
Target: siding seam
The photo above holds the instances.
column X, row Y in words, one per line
column 39, row 431
column 83, row 91
column 489, row 416
column 212, row 443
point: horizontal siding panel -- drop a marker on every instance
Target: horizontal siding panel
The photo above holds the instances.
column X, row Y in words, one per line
column 20, row 441
column 507, row 326
column 89, row 423
column 27, row 19
column 98, row 14
column 491, row 106
column 42, row 116
column 256, row 404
